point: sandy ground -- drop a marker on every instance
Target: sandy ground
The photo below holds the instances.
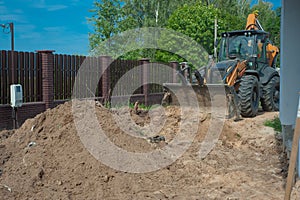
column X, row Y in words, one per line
column 45, row 159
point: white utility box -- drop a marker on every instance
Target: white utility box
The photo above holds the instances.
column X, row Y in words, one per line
column 16, row 95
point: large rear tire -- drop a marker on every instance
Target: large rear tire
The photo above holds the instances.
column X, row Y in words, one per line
column 249, row 96
column 270, row 97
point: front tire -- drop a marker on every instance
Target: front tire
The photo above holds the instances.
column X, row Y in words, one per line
column 270, row 97
column 249, row 95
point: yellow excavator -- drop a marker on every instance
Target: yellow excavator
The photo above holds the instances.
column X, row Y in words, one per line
column 246, row 71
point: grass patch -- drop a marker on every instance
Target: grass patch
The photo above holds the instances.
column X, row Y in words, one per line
column 274, row 123
column 141, row 106
column 131, row 105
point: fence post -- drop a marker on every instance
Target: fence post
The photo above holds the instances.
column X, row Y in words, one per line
column 145, row 67
column 105, row 61
column 47, row 65
column 174, row 65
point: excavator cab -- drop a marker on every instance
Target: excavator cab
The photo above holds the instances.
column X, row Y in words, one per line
column 236, row 46
column 245, row 45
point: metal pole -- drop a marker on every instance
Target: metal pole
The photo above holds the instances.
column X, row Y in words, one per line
column 11, row 26
column 215, row 38
column 13, row 81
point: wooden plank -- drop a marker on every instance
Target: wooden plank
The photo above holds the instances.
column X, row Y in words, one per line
column 21, row 66
column 99, row 71
column 26, row 77
column 4, row 77
column 35, row 75
column 66, row 69
column 31, row 75
column 95, row 75
column 61, row 77
column 9, row 67
column 293, row 158
column 54, row 76
column 2, row 84
column 59, row 80
column 39, row 77
column 68, row 77
column 78, row 64
column 57, row 77
column 83, row 61
column 16, row 67
column 76, row 67
column 73, row 69
column 65, row 61
column 9, row 75
column 116, row 75
column 91, row 78
column 86, row 80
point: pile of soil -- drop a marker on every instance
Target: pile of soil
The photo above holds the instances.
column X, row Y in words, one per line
column 45, row 159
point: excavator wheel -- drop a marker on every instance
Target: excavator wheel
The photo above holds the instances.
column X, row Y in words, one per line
column 249, row 96
column 270, row 97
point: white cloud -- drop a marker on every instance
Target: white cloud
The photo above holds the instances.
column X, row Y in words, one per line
column 30, row 35
column 54, row 29
column 43, row 5
column 25, row 27
column 3, row 9
column 74, row 44
column 56, row 7
column 74, row 1
column 12, row 17
column 18, row 11
column 27, row 31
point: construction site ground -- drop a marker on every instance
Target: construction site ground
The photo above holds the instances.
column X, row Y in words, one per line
column 45, row 159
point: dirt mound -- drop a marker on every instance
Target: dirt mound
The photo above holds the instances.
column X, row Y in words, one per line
column 45, row 159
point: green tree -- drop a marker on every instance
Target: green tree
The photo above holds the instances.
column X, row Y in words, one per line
column 238, row 8
column 105, row 20
column 198, row 21
column 111, row 17
column 150, row 13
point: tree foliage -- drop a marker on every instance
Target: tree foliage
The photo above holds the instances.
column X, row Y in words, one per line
column 194, row 18
column 150, row 13
column 105, row 20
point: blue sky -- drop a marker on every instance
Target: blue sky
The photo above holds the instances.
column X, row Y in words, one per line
column 47, row 24
column 50, row 24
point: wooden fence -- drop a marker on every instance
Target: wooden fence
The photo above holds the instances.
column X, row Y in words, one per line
column 65, row 70
column 48, row 79
column 27, row 72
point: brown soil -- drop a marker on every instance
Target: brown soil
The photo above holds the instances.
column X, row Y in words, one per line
column 45, row 159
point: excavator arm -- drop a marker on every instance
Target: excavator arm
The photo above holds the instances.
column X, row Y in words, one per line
column 253, row 24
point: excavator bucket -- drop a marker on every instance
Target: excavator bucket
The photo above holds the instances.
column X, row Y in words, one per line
column 214, row 89
column 220, row 96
